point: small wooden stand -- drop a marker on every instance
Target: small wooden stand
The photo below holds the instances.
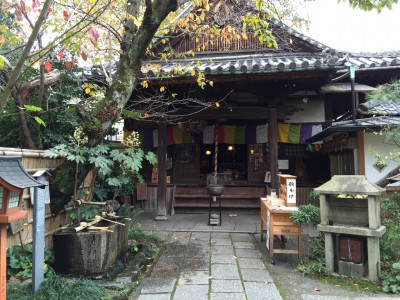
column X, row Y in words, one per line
column 276, row 216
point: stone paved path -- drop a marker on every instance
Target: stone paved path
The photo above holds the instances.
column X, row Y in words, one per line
column 226, row 262
column 209, row 265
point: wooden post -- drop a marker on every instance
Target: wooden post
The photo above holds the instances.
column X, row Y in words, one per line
column 162, row 174
column 38, row 238
column 3, row 260
column 273, row 145
column 361, row 153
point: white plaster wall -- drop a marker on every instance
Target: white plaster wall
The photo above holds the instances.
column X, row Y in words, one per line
column 313, row 111
column 376, row 142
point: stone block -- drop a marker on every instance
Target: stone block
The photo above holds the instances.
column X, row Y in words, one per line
column 351, row 269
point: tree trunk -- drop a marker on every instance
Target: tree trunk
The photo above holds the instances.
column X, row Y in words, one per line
column 63, row 182
column 96, row 124
column 385, row 181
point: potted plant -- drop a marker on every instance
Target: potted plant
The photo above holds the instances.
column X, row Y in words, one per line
column 308, row 216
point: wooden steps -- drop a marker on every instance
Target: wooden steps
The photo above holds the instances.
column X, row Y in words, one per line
column 233, row 197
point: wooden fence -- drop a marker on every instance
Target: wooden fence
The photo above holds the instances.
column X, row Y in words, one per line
column 33, row 160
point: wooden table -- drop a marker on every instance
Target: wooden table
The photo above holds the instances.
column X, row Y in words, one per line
column 275, row 216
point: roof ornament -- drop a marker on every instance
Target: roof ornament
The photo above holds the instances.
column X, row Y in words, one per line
column 332, row 56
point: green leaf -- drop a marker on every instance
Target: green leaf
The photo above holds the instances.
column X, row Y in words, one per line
column 40, row 121
column 14, row 262
column 32, row 107
column 80, row 159
column 151, row 158
column 130, row 114
column 102, row 163
column 4, row 61
column 113, row 181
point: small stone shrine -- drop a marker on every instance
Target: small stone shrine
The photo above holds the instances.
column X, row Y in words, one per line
column 350, row 219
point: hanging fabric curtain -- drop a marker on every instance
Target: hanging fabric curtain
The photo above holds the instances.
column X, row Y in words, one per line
column 231, row 134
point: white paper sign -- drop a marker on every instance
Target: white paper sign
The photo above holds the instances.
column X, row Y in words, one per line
column 291, row 191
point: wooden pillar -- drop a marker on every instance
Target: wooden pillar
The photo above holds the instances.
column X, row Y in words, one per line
column 3, row 261
column 162, row 173
column 273, row 145
column 361, row 153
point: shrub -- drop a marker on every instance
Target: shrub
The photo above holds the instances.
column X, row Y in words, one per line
column 306, row 214
column 19, row 261
column 391, row 280
column 57, row 287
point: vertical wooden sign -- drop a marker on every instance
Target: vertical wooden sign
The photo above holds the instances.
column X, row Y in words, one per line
column 291, row 192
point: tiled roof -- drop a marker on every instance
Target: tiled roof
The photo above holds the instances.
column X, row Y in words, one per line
column 272, row 63
column 12, row 172
column 373, row 108
column 321, row 57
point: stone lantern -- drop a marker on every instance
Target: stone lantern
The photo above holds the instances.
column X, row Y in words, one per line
column 13, row 180
column 350, row 219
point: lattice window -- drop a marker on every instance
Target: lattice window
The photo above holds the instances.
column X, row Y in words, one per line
column 14, row 199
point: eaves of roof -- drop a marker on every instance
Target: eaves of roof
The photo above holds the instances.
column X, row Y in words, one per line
column 240, row 64
column 372, row 124
column 268, row 63
column 12, row 172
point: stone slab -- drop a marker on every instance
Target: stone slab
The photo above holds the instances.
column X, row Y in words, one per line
column 241, row 237
column 322, row 297
column 223, row 259
column 165, row 271
column 174, row 249
column 228, row 296
column 221, row 242
column 196, row 264
column 166, row 260
column 226, row 286
column 243, row 245
column 194, row 277
column 221, row 249
column 200, row 236
column 250, row 263
column 224, row 271
column 259, row 290
column 157, row 285
column 249, row 253
column 154, row 297
column 192, row 292
column 181, row 236
column 256, row 275
column 198, row 250
column 220, row 235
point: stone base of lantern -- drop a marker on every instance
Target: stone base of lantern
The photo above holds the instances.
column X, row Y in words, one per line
column 351, row 269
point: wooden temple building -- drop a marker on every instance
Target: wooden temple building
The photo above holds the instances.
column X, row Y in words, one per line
column 263, row 106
